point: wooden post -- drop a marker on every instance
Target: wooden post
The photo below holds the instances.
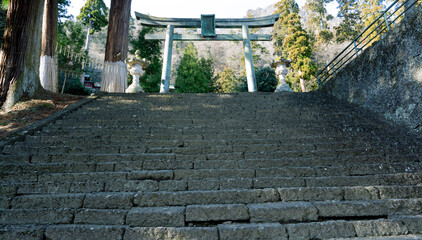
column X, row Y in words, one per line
column 165, row 75
column 114, row 78
column 250, row 71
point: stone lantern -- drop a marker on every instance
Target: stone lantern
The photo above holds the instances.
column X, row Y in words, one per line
column 281, row 66
column 136, row 67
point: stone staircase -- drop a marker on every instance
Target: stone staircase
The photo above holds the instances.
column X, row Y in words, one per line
column 206, row 166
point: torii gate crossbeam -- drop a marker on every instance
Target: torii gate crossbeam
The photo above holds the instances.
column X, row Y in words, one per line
column 207, row 23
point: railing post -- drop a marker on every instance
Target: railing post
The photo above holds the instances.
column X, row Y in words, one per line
column 356, row 48
column 333, row 68
column 386, row 21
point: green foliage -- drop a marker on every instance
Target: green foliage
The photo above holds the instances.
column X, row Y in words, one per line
column 95, row 11
column 70, row 38
column 369, row 11
column 5, row 4
column 150, row 50
column 63, row 4
column 317, row 21
column 292, row 42
column 266, row 80
column 317, row 18
column 193, row 73
column 227, row 82
column 325, row 36
column 351, row 25
column 73, row 84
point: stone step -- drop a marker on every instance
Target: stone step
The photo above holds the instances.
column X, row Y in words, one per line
column 160, row 161
column 320, row 175
column 180, row 216
column 225, row 136
column 180, row 148
column 291, row 188
column 258, row 151
column 362, row 229
column 199, row 145
column 280, row 168
column 151, row 141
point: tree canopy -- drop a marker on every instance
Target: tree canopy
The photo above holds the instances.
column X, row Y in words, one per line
column 194, row 74
column 96, row 12
column 292, row 42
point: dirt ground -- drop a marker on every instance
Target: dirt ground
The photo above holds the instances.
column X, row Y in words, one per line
column 28, row 111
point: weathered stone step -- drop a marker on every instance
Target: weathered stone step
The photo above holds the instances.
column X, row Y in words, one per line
column 181, row 198
column 84, row 209
column 290, row 189
column 180, row 147
column 151, row 141
column 260, row 177
column 280, row 168
column 363, row 230
column 128, row 200
column 38, row 141
column 251, row 152
column 225, row 136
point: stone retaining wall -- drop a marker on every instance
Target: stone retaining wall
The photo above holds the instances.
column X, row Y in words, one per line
column 387, row 77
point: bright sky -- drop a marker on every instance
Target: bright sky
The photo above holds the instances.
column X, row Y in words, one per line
column 194, row 8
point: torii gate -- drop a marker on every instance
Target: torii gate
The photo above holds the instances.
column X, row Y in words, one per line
column 208, row 24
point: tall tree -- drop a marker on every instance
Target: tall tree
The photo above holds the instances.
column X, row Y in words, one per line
column 317, row 19
column 70, row 39
column 21, row 49
column 49, row 75
column 114, row 77
column 351, row 24
column 94, row 15
column 292, row 42
column 193, row 73
column 150, row 50
column 63, row 4
column 227, row 82
column 369, row 12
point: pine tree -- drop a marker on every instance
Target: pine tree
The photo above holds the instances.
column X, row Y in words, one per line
column 193, row 73
column 227, row 82
column 94, row 15
column 351, row 25
column 370, row 10
column 292, row 42
column 317, row 20
column 70, row 39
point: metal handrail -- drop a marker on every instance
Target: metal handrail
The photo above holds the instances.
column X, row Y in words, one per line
column 343, row 58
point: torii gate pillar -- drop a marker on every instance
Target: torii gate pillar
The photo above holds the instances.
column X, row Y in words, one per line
column 165, row 75
column 250, row 70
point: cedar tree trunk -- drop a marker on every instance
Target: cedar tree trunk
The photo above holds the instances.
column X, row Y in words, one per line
column 21, row 50
column 48, row 62
column 114, row 78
